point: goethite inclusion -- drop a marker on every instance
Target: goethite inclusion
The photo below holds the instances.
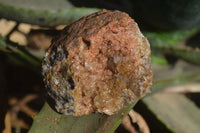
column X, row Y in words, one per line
column 100, row 63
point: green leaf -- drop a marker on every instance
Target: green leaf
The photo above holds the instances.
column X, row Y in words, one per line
column 190, row 55
column 164, row 39
column 177, row 112
column 48, row 121
column 161, row 40
column 159, row 60
column 3, row 44
column 181, row 73
column 163, row 43
column 43, row 13
column 18, row 54
column 39, row 4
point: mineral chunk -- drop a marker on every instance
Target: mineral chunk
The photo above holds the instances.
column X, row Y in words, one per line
column 100, row 63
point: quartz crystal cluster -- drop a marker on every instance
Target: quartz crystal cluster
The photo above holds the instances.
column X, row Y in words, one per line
column 100, row 63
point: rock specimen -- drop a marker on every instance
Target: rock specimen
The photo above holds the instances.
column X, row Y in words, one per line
column 100, row 63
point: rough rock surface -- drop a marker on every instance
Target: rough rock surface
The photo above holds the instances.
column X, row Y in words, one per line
column 99, row 63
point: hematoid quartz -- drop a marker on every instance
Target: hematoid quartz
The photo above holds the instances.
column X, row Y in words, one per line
column 100, row 63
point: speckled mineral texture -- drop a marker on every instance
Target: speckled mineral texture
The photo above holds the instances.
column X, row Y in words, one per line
column 100, row 63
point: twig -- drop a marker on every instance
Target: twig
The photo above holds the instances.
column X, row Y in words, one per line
column 8, row 127
column 22, row 105
column 137, row 118
column 127, row 124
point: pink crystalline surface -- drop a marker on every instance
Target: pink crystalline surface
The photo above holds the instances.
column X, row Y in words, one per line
column 99, row 63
